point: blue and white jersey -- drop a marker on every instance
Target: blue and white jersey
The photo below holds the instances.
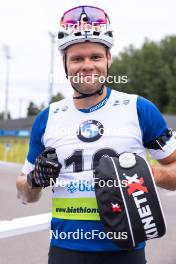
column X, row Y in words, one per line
column 120, row 123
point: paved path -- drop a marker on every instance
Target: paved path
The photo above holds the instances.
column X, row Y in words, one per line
column 32, row 248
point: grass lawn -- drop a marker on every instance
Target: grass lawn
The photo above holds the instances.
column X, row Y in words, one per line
column 13, row 149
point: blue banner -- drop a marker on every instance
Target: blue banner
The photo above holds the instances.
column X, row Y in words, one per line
column 14, row 133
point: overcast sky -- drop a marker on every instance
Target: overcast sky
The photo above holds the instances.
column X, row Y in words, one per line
column 24, row 26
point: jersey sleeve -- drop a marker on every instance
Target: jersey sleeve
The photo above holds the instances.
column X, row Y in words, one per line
column 153, row 125
column 36, row 145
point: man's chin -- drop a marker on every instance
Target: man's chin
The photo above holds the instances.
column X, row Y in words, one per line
column 88, row 89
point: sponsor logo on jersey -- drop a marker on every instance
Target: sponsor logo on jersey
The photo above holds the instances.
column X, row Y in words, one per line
column 81, row 186
column 117, row 102
column 64, row 108
column 90, row 131
column 94, row 108
column 56, row 110
column 126, row 102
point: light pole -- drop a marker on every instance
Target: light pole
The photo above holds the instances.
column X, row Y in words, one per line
column 20, row 108
column 51, row 74
column 8, row 57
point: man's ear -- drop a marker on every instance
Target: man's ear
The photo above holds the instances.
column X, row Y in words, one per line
column 109, row 58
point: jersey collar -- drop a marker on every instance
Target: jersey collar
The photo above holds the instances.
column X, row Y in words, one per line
column 99, row 105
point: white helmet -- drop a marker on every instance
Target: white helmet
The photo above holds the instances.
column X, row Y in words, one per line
column 84, row 24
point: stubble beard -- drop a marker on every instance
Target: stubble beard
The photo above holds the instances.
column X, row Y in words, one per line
column 87, row 87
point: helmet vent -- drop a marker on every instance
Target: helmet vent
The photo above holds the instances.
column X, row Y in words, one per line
column 77, row 34
column 109, row 33
column 61, row 35
column 96, row 33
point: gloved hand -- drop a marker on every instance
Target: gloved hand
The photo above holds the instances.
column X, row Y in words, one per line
column 47, row 167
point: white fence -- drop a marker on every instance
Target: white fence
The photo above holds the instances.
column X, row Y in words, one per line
column 23, row 225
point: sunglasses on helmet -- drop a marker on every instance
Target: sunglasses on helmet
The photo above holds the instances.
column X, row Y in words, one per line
column 87, row 14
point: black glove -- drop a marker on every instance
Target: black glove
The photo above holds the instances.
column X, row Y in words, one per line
column 47, row 167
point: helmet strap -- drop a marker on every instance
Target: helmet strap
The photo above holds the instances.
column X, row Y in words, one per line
column 83, row 95
column 65, row 65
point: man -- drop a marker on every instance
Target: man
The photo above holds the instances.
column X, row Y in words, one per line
column 128, row 123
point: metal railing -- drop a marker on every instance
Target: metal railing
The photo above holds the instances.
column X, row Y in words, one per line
column 23, row 225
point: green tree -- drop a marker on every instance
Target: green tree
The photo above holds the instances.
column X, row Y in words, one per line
column 151, row 72
column 168, row 48
column 57, row 97
column 33, row 109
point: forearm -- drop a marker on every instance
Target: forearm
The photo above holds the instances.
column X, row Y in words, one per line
column 165, row 176
column 25, row 193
